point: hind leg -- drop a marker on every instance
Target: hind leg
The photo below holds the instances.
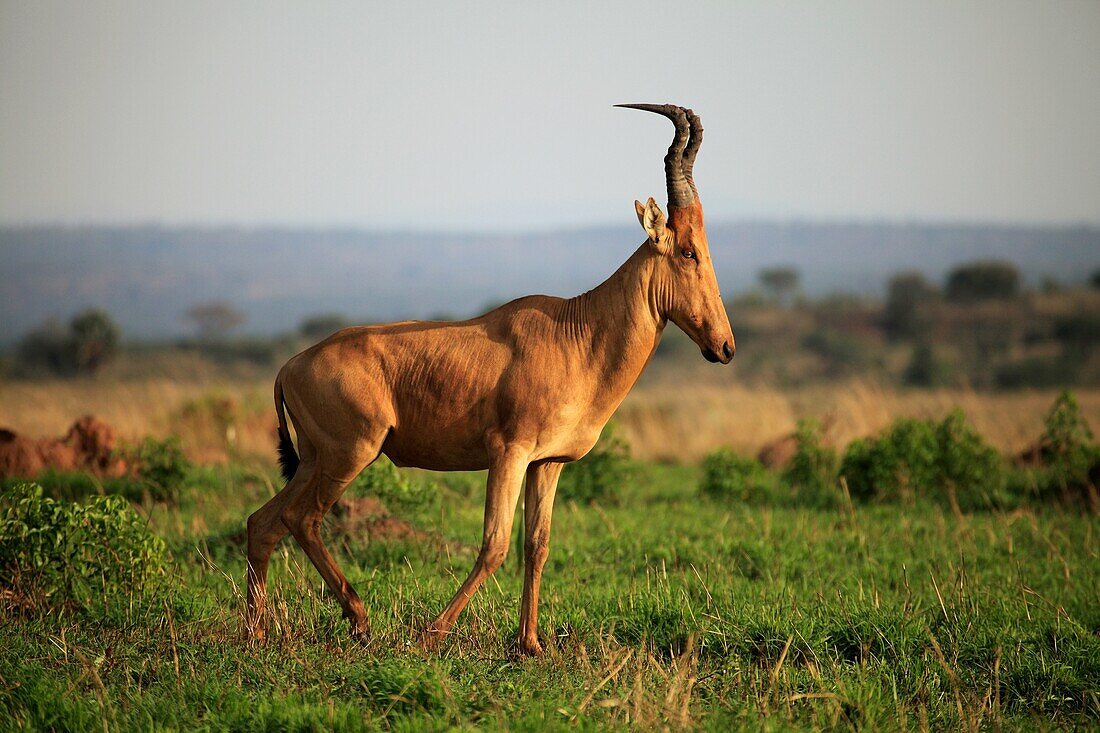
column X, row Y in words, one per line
column 305, row 510
column 265, row 529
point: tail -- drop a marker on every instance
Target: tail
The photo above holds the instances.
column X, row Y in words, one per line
column 288, row 458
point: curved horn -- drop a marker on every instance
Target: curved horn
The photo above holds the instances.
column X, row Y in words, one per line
column 680, row 194
column 692, row 149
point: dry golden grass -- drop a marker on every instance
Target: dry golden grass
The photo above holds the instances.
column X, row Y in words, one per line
column 212, row 418
column 663, row 422
column 683, row 424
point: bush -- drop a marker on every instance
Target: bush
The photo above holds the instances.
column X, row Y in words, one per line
column 970, row 470
column 812, row 472
column 57, row 551
column 162, row 467
column 1067, row 437
column 1068, row 457
column 728, row 476
column 389, row 485
column 922, row 459
column 598, row 476
column 898, row 465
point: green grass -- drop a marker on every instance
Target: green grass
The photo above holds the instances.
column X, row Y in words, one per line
column 668, row 609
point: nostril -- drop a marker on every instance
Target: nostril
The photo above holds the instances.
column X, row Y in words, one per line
column 727, row 350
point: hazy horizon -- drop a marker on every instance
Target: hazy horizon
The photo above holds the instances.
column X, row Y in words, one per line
column 537, row 229
column 482, row 118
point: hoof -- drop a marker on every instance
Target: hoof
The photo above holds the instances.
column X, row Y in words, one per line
column 432, row 638
column 529, row 648
column 255, row 634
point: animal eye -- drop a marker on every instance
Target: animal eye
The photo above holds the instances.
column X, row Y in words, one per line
column 688, row 254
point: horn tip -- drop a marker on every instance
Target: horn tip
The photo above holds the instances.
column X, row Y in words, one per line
column 646, row 107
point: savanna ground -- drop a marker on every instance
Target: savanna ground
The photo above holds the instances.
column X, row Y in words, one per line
column 668, row 607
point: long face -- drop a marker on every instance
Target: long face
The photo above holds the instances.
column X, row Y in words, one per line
column 696, row 303
column 687, row 287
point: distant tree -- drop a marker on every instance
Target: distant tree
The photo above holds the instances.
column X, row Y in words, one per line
column 89, row 342
column 1049, row 285
column 321, row 325
column 46, row 349
column 976, row 281
column 95, row 339
column 751, row 298
column 1094, row 279
column 214, row 320
column 925, row 368
column 1079, row 334
column 907, row 304
column 781, row 282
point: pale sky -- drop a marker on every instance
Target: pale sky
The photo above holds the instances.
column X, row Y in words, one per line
column 498, row 115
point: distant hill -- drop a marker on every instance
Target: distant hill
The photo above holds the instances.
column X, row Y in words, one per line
column 148, row 276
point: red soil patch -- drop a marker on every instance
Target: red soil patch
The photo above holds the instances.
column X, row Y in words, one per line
column 88, row 446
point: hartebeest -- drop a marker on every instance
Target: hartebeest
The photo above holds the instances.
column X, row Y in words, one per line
column 521, row 390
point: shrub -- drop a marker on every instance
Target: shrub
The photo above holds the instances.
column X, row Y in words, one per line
column 898, row 465
column 728, row 476
column 1067, row 437
column 161, row 467
column 971, row 471
column 393, row 488
column 924, row 459
column 1067, row 455
column 58, row 551
column 812, row 472
column 598, row 476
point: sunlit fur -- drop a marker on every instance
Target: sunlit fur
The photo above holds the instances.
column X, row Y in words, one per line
column 519, row 391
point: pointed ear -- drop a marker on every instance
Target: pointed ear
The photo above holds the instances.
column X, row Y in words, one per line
column 652, row 220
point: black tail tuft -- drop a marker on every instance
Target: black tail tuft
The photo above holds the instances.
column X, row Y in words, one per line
column 288, row 458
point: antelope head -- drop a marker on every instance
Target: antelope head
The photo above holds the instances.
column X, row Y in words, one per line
column 686, row 289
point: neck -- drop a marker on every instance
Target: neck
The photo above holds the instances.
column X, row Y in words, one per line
column 618, row 324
